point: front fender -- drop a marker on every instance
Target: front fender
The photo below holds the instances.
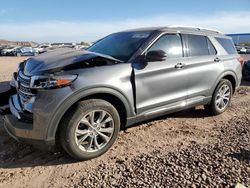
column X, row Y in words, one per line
column 72, row 99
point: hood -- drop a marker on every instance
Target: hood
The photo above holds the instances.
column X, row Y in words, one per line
column 58, row 60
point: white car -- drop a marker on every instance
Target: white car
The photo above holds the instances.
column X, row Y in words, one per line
column 8, row 51
column 42, row 48
column 245, row 50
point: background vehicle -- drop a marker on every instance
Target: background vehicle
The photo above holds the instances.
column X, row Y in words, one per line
column 84, row 98
column 245, row 50
column 25, row 51
column 8, row 51
column 238, row 48
column 42, row 48
column 246, row 70
column 1, row 49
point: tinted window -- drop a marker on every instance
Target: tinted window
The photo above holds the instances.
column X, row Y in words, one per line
column 120, row 45
column 197, row 45
column 211, row 48
column 227, row 44
column 171, row 44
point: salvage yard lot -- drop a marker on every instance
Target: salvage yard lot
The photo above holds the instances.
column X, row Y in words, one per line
column 189, row 148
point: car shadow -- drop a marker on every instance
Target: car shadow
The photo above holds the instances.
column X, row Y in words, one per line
column 243, row 155
column 5, row 92
column 15, row 154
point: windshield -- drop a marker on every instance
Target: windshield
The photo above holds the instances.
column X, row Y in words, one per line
column 120, row 45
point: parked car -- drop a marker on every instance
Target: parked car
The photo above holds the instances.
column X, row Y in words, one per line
column 245, row 50
column 42, row 48
column 8, row 51
column 1, row 49
column 238, row 48
column 246, row 70
column 25, row 51
column 82, row 99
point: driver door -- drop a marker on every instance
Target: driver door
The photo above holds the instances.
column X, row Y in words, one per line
column 162, row 85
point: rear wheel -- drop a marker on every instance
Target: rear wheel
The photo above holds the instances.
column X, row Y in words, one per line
column 90, row 129
column 221, row 98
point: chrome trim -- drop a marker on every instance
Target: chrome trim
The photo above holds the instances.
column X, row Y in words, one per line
column 13, row 110
column 25, row 93
column 27, row 86
column 23, row 76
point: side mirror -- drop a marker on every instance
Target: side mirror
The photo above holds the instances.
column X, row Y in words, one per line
column 155, row 55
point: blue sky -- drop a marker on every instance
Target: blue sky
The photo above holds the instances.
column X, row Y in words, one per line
column 77, row 20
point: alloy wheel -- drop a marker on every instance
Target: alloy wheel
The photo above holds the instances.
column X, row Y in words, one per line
column 94, row 131
column 223, row 97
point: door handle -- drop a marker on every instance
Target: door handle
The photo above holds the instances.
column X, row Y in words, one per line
column 179, row 66
column 217, row 59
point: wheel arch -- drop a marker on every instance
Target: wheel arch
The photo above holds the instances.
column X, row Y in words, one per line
column 229, row 75
column 115, row 97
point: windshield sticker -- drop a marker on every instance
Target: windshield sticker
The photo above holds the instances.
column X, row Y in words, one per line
column 140, row 36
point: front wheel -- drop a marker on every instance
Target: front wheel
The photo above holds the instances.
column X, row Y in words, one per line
column 221, row 98
column 89, row 129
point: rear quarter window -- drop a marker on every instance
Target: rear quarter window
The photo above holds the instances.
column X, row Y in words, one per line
column 227, row 44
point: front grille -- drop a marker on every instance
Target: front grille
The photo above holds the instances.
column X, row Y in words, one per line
column 24, row 87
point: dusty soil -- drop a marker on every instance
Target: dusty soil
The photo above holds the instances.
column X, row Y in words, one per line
column 185, row 149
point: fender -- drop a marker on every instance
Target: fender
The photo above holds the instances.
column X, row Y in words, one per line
column 54, row 123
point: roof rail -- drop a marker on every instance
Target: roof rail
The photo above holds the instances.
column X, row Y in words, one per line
column 194, row 27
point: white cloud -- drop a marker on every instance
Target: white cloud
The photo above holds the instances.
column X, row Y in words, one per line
column 54, row 31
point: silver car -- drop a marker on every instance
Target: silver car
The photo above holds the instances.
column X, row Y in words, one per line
column 81, row 99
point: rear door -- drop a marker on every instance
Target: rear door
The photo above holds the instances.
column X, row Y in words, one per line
column 162, row 83
column 203, row 65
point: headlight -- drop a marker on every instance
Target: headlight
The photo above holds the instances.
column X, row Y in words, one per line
column 51, row 81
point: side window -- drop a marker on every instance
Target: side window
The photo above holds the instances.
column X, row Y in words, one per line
column 211, row 48
column 197, row 45
column 227, row 44
column 170, row 43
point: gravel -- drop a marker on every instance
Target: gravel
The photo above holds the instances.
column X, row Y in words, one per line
column 221, row 164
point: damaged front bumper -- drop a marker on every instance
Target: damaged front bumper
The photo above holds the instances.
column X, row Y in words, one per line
column 23, row 131
column 19, row 125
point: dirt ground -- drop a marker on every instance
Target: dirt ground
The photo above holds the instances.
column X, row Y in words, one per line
column 185, row 149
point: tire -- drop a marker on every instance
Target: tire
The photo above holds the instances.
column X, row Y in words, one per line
column 216, row 107
column 82, row 141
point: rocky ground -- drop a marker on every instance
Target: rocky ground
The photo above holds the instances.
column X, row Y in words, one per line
column 185, row 149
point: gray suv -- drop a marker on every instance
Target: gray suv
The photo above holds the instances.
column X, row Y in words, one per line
column 81, row 99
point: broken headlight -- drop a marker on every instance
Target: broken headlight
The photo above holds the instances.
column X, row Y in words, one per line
column 51, row 81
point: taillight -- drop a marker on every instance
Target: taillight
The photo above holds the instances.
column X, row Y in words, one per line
column 241, row 61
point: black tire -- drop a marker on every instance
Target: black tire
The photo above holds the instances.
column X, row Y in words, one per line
column 70, row 124
column 212, row 107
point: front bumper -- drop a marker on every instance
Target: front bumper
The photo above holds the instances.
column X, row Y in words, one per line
column 22, row 131
column 36, row 128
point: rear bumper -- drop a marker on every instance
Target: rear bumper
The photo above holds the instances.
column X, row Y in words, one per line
column 22, row 131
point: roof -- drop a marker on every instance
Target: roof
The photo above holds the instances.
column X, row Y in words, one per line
column 173, row 28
